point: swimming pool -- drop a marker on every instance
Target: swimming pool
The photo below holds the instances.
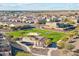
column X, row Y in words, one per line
column 27, row 43
column 52, row 45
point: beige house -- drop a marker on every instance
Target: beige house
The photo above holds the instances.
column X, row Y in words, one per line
column 51, row 24
column 3, row 24
column 38, row 41
column 12, row 25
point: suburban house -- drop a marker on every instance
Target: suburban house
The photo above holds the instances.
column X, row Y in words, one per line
column 4, row 46
column 3, row 24
column 12, row 25
column 60, row 26
column 52, row 26
column 34, row 40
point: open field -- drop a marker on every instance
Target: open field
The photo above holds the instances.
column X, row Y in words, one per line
column 55, row 36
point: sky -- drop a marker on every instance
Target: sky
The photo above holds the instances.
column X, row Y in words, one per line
column 39, row 6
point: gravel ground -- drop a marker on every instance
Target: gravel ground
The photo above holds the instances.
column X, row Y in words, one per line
column 40, row 51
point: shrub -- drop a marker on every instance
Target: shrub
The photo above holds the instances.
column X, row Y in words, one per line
column 60, row 44
column 69, row 46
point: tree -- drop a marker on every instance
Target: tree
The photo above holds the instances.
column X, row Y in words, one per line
column 76, row 13
column 65, row 38
column 47, row 41
column 42, row 21
column 66, row 20
column 60, row 44
column 51, row 20
column 78, row 20
column 77, row 27
column 71, row 22
column 1, row 26
column 71, row 33
column 13, row 28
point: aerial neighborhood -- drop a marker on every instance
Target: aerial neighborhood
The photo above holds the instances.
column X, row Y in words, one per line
column 35, row 33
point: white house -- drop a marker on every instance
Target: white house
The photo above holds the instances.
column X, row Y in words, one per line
column 12, row 25
column 51, row 24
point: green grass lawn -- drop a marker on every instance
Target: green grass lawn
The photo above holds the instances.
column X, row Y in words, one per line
column 20, row 53
column 55, row 36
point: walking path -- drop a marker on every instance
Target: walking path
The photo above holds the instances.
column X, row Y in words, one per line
column 37, row 51
column 49, row 52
